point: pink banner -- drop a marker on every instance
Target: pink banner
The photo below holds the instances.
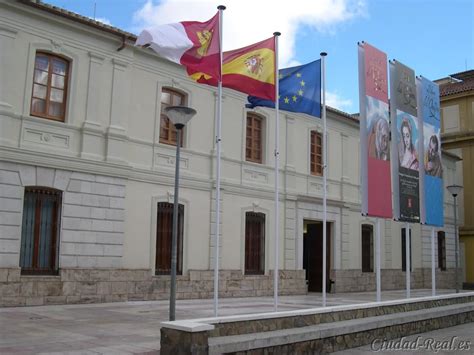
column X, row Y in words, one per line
column 374, row 133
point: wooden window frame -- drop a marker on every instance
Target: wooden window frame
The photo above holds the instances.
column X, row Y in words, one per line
column 316, row 159
column 442, row 250
column 253, row 144
column 367, row 248
column 53, row 268
column 404, row 267
column 167, row 209
column 49, row 86
column 254, row 243
column 170, row 138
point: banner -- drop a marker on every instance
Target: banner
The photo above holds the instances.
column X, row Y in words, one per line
column 374, row 132
column 406, row 133
column 431, row 171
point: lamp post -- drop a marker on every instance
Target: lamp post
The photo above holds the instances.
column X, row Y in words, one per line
column 179, row 116
column 455, row 190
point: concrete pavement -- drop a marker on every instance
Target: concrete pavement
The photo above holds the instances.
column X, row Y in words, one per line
column 133, row 327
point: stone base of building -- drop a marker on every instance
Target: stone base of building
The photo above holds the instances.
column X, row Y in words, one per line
column 73, row 286
column 391, row 279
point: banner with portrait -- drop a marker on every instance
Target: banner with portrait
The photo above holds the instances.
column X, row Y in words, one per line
column 405, row 137
column 374, row 132
column 431, row 170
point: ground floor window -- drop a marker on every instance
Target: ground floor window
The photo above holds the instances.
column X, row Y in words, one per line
column 367, row 248
column 404, row 265
column 164, row 230
column 442, row 250
column 254, row 243
column 39, row 248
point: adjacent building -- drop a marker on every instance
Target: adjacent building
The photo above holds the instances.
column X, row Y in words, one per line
column 87, row 172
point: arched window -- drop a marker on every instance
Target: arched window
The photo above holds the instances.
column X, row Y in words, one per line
column 254, row 138
column 367, row 248
column 316, row 153
column 39, row 249
column 254, row 243
column 167, row 130
column 164, row 229
column 50, row 82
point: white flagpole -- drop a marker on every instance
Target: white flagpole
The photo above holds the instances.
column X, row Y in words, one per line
column 277, row 161
column 407, row 257
column 221, row 9
column 323, row 84
column 377, row 261
column 433, row 271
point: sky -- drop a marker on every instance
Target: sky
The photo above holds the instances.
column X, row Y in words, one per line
column 433, row 37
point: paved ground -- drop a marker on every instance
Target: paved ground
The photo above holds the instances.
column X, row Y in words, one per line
column 133, row 327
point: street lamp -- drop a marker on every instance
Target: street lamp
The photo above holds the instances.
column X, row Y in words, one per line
column 455, row 190
column 179, row 116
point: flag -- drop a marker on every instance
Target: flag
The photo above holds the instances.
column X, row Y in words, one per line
column 192, row 44
column 299, row 90
column 250, row 70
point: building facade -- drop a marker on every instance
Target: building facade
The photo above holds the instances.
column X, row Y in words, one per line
column 87, row 173
column 457, row 107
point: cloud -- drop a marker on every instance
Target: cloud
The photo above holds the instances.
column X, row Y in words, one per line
column 336, row 101
column 249, row 21
column 104, row 20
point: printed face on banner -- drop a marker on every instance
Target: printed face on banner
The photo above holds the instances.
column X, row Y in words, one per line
column 432, row 158
column 407, row 132
column 378, row 129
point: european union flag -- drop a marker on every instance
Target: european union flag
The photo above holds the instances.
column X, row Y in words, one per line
column 300, row 90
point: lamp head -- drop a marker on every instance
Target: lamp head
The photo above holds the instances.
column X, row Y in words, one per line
column 179, row 115
column 454, row 189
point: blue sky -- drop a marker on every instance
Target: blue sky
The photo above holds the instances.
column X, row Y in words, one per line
column 433, row 37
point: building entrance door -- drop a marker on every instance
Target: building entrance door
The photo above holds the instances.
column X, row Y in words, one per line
column 313, row 255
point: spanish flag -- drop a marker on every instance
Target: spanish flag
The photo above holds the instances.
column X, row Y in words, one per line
column 195, row 45
column 250, row 70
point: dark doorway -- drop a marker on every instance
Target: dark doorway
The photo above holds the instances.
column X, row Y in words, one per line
column 313, row 255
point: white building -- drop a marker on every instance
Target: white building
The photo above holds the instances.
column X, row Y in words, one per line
column 87, row 174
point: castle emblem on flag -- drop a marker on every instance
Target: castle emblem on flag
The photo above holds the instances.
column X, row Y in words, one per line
column 204, row 38
column 254, row 64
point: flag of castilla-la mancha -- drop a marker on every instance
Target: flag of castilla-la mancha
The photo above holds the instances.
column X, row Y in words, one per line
column 250, row 70
column 195, row 45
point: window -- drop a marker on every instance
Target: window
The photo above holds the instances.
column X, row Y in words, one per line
column 50, row 80
column 164, row 231
column 39, row 248
column 253, row 145
column 367, row 248
column 254, row 243
column 404, row 266
column 442, row 251
column 167, row 129
column 316, row 153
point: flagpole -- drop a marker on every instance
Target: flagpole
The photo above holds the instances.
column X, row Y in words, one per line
column 323, row 76
column 277, row 161
column 221, row 9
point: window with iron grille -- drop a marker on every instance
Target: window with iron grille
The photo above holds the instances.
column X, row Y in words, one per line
column 254, row 243
column 316, row 153
column 167, row 129
column 367, row 248
column 39, row 250
column 50, row 80
column 442, row 250
column 404, row 265
column 253, row 141
column 164, row 232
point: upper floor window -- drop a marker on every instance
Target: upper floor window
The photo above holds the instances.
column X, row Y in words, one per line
column 167, row 129
column 253, row 143
column 367, row 248
column 316, row 153
column 39, row 248
column 442, row 250
column 50, row 80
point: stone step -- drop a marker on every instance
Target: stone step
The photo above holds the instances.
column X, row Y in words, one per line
column 337, row 330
